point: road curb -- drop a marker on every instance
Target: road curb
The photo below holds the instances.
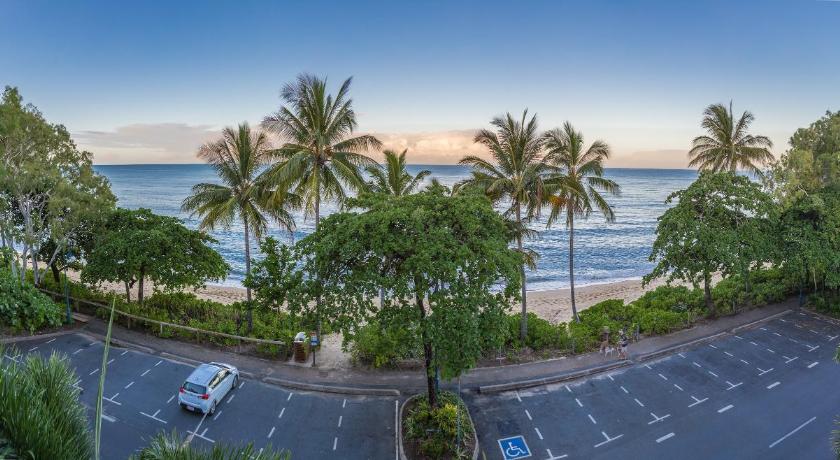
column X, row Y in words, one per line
column 677, row 347
column 332, row 388
column 823, row 317
column 522, row 384
column 762, row 320
column 118, row 342
column 28, row 338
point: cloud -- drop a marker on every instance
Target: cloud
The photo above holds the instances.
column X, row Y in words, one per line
column 665, row 159
column 443, row 147
column 147, row 143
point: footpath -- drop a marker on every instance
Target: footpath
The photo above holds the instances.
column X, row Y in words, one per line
column 400, row 382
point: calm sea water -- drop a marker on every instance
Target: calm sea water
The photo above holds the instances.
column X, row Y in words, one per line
column 603, row 252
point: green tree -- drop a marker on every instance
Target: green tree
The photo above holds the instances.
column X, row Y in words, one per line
column 392, row 178
column 320, row 156
column 728, row 145
column 707, row 230
column 245, row 193
column 445, row 261
column 576, row 185
column 136, row 245
column 514, row 178
column 276, row 277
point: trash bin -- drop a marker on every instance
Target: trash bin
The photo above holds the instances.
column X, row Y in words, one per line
column 299, row 347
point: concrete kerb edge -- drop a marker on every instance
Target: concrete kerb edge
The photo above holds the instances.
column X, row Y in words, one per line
column 823, row 317
column 678, row 347
column 117, row 342
column 476, row 450
column 762, row 320
column 522, row 384
column 28, row 338
column 362, row 391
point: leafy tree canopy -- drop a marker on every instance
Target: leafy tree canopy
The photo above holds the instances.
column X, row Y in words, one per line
column 444, row 262
column 137, row 245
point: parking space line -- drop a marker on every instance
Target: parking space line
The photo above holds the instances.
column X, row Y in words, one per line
column 772, row 385
column 568, row 389
column 753, row 343
column 592, row 419
column 340, row 418
column 793, row 340
column 832, row 337
column 713, row 346
column 344, row 403
column 518, row 398
column 695, row 363
column 77, row 351
column 144, row 373
column 607, row 439
column 777, row 334
column 789, row 360
column 51, row 340
column 158, row 363
column 578, row 402
column 217, row 414
column 283, row 410
column 697, row 401
column 243, row 384
column 529, row 415
column 729, row 354
column 725, row 408
column 745, row 362
column 638, row 402
column 154, row 417
column 666, row 437
column 792, row 432
column 648, row 366
column 810, row 348
column 552, row 457
column 94, row 371
column 681, row 355
column 33, row 349
column 609, row 376
column 657, row 418
column 538, row 433
column 738, row 337
column 678, row 387
column 763, row 371
column 663, row 377
column 129, row 384
column 713, row 374
column 733, row 385
column 625, row 390
column 290, row 396
column 335, row 442
column 202, row 436
column 124, row 352
column 170, row 399
column 110, row 361
column 813, row 364
column 231, row 398
column 108, row 418
column 270, row 433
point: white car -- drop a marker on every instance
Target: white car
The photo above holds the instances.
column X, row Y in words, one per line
column 205, row 388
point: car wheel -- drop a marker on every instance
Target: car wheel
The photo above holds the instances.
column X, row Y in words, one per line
column 235, row 380
column 212, row 408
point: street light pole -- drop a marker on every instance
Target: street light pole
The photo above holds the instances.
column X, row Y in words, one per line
column 67, row 298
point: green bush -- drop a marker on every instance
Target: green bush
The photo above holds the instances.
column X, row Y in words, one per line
column 40, row 412
column 542, row 335
column 24, row 308
column 172, row 447
column 377, row 345
column 672, row 298
column 825, row 302
column 435, row 431
column 583, row 337
column 655, row 322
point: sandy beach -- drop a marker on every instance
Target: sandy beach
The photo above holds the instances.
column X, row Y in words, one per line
column 553, row 305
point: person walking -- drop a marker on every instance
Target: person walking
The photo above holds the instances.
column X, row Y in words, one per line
column 622, row 342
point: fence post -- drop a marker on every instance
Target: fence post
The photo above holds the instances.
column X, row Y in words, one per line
column 161, row 329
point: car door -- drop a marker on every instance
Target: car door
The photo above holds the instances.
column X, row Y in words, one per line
column 213, row 388
column 226, row 381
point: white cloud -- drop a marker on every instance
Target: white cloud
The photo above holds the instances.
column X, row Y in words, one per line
column 147, row 143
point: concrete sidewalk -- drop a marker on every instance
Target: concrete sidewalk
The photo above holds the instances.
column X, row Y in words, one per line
column 395, row 382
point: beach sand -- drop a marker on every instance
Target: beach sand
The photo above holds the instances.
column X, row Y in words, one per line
column 554, row 305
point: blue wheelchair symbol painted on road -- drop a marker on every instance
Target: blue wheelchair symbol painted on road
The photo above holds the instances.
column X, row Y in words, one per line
column 514, row 447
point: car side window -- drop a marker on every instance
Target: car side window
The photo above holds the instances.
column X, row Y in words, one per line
column 215, row 381
column 223, row 375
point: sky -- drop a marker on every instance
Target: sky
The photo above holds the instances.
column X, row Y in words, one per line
column 149, row 82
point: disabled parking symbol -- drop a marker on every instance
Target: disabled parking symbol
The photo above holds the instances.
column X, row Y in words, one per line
column 514, row 447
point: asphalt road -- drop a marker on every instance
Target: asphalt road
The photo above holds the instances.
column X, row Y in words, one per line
column 141, row 400
column 770, row 392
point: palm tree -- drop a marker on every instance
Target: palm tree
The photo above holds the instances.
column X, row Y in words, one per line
column 728, row 146
column 245, row 193
column 514, row 176
column 319, row 157
column 393, row 179
column 575, row 184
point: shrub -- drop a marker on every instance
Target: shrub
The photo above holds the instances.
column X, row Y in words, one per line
column 41, row 414
column 653, row 322
column 583, row 337
column 172, row 447
column 377, row 345
column 435, row 432
column 23, row 307
column 673, row 298
column 542, row 335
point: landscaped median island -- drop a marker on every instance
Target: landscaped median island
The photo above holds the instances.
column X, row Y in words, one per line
column 445, row 432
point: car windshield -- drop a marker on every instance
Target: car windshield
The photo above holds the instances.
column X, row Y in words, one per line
column 193, row 388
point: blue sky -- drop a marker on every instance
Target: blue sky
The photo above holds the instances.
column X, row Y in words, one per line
column 150, row 81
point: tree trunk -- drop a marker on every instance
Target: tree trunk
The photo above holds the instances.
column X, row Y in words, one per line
column 523, row 323
column 428, row 352
column 127, row 291
column 317, row 222
column 56, row 274
column 747, row 288
column 572, row 265
column 248, row 272
column 140, row 286
column 707, row 291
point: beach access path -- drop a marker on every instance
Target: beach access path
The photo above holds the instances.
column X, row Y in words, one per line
column 405, row 382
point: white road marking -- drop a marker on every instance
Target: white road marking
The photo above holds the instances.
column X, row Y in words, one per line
column 158, row 363
column 144, row 373
column 695, row 363
column 344, row 403
column 763, row 371
column 243, row 384
column 724, row 409
column 666, row 437
column 745, row 362
column 124, row 352
column 281, row 412
column 739, row 337
column 33, row 348
column 789, row 360
column 538, row 433
column 763, row 328
column 568, row 389
column 681, row 355
column 231, row 398
column 110, row 361
column 729, row 354
column 170, row 399
column 772, row 385
column 194, row 432
column 753, row 343
column 810, row 349
column 832, row 337
column 813, row 364
column 783, row 320
column 648, row 366
column 271, row 433
column 290, row 396
column 713, row 374
column 129, row 384
column 657, row 418
column 77, row 351
column 777, row 334
column 518, row 398
column 793, row 340
column 340, row 418
column 792, row 432
column 51, row 340
column 579, row 403
column 108, row 418
column 663, row 377
column 609, row 376
column 217, row 414
column 111, row 399
column 713, row 346
column 528, row 414
column 624, row 390
column 678, row 387
column 607, row 439
column 733, row 385
column 697, row 401
column 335, row 442
column 815, row 332
column 552, row 457
column 94, row 371
column 770, row 350
column 592, row 419
column 154, row 417
column 638, row 402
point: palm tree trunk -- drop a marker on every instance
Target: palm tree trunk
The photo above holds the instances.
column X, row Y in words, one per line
column 523, row 320
column 707, row 292
column 572, row 265
column 317, row 221
column 248, row 272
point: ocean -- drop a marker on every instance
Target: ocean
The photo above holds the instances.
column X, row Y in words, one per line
column 604, row 252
